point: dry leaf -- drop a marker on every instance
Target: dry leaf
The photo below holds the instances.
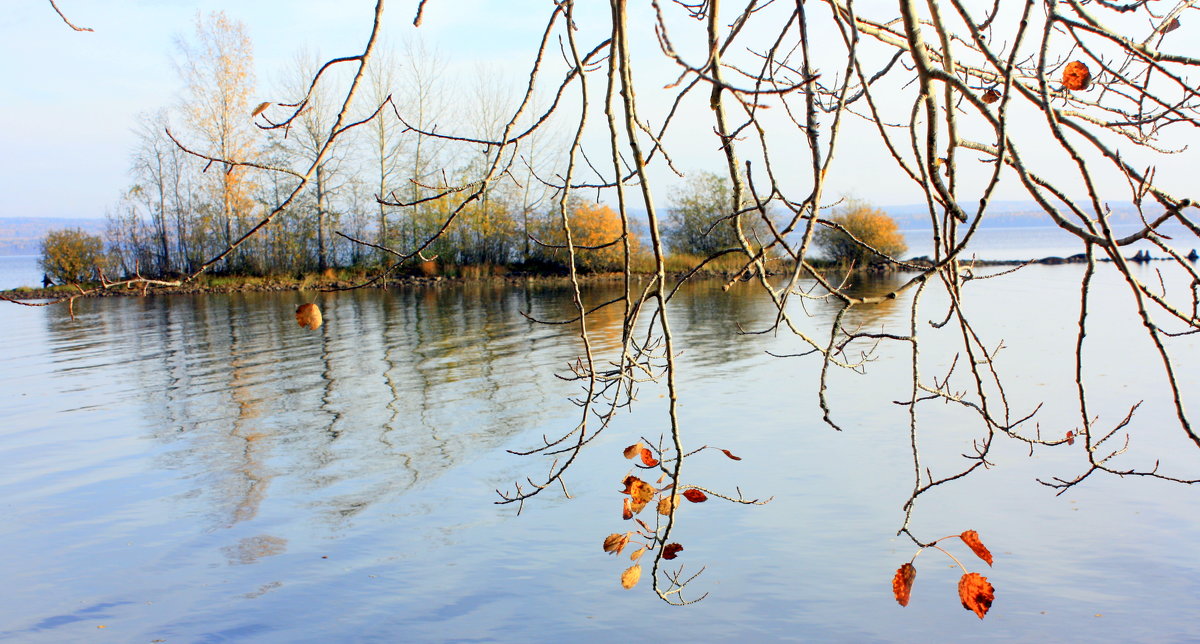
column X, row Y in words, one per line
column 308, row 316
column 636, row 554
column 668, row 503
column 991, row 96
column 615, row 543
column 627, row 510
column 628, row 483
column 971, row 538
column 902, row 583
column 640, row 492
column 1070, row 438
column 1076, row 76
column 730, row 455
column 671, row 550
column 976, row 593
column 1171, row 27
column 630, row 577
column 633, row 450
column 648, row 458
column 695, row 496
column 262, row 107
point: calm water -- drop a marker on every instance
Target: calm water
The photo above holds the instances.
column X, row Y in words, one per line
column 203, row 470
column 19, row 270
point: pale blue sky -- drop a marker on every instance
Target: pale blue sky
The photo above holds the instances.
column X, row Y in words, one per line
column 71, row 99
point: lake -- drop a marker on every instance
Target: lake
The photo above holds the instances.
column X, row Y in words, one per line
column 201, row 469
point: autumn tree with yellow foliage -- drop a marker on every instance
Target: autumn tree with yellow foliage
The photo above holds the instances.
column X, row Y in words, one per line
column 860, row 235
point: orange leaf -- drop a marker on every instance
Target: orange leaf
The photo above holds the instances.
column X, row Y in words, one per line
column 640, row 492
column 991, row 96
column 633, row 450
column 308, row 316
column 671, row 550
column 1076, row 76
column 636, row 554
column 630, row 577
column 730, row 455
column 695, row 496
column 976, row 593
column 902, row 583
column 615, row 543
column 628, row 483
column 262, row 107
column 1070, row 438
column 648, row 458
column 971, row 538
column 668, row 503
column 627, row 510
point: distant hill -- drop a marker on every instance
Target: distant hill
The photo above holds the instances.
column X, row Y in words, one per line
column 23, row 235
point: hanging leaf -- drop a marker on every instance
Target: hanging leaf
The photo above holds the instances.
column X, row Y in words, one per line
column 648, row 458
column 308, row 316
column 627, row 510
column 695, row 496
column 1076, row 76
column 262, row 107
column 628, row 483
column 630, row 577
column 1070, row 438
column 730, row 455
column 640, row 492
column 637, row 554
column 976, row 593
column 633, row 450
column 902, row 583
column 1171, row 27
column 671, row 550
column 971, row 538
column 668, row 503
column 615, row 543
column 991, row 96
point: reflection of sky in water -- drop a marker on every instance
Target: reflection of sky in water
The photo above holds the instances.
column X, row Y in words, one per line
column 206, row 469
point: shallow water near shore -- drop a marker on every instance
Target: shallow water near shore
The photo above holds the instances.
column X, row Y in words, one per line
column 199, row 468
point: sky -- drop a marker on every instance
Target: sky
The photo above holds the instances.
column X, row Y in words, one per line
column 72, row 100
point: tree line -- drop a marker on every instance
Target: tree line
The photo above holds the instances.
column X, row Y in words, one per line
column 389, row 184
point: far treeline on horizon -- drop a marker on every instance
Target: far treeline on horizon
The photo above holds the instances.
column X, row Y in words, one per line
column 24, row 235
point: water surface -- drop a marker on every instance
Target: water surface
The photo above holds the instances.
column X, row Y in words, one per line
column 201, row 469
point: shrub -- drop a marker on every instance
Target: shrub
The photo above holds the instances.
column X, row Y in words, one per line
column 871, row 229
column 71, row 255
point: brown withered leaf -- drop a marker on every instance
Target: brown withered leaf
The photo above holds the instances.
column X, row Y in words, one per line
column 630, row 577
column 633, row 450
column 308, row 316
column 637, row 554
column 976, row 593
column 730, row 455
column 695, row 496
column 1070, row 438
column 671, row 550
column 262, row 107
column 648, row 458
column 971, row 538
column 628, row 483
column 902, row 583
column 615, row 543
column 668, row 503
column 1171, row 27
column 640, row 492
column 1076, row 76
column 991, row 96
column 627, row 510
